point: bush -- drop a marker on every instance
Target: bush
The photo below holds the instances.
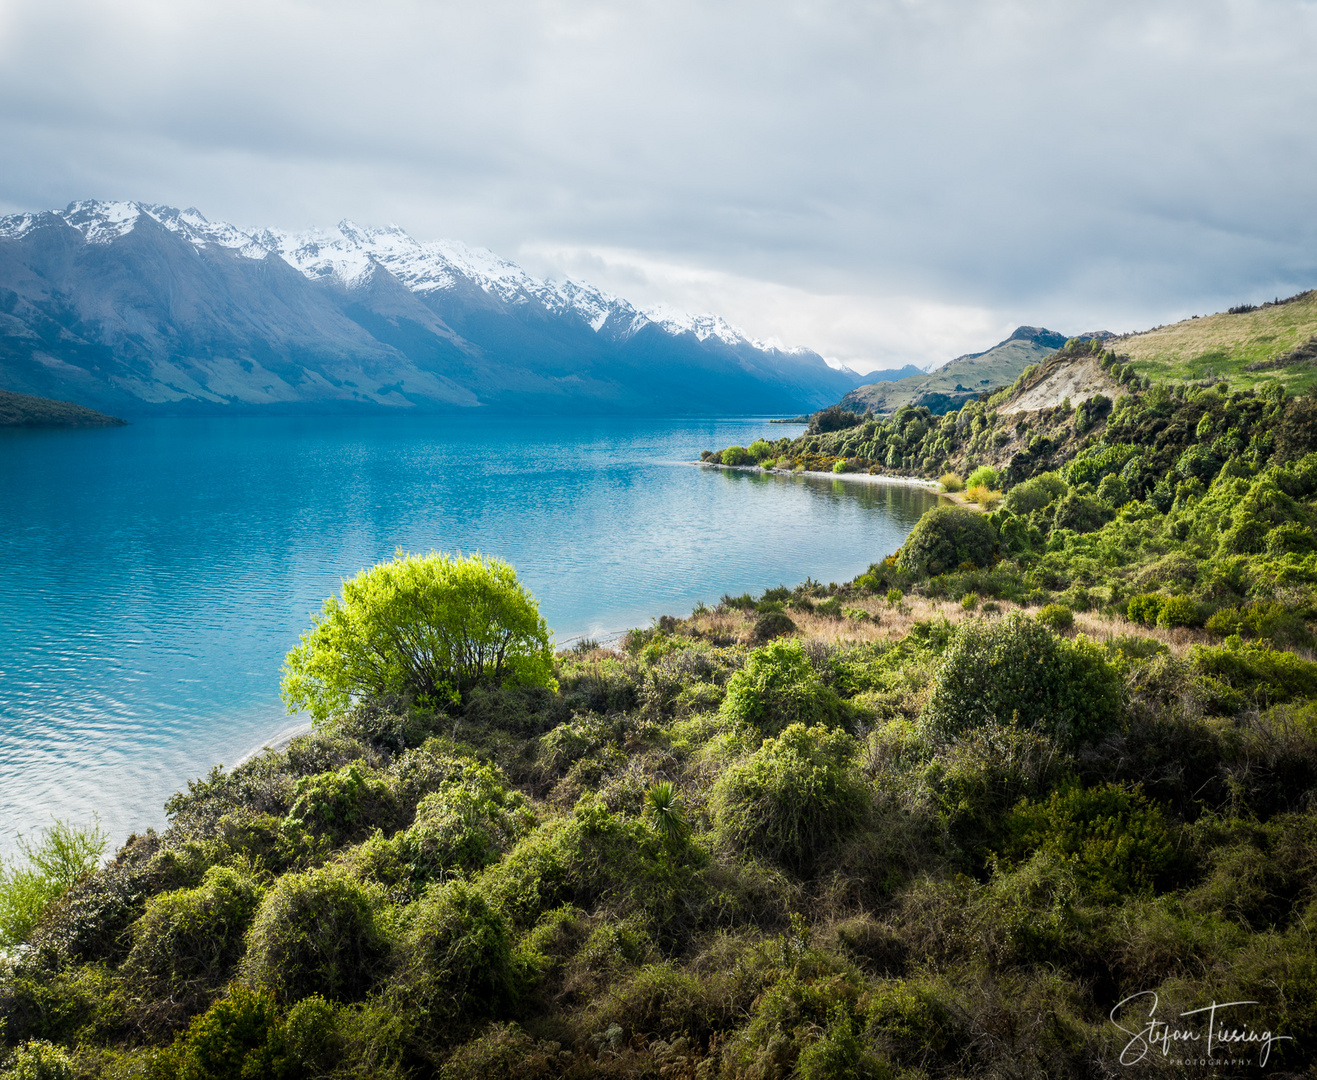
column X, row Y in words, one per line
column 40, row 1060
column 1269, row 676
column 62, row 856
column 793, row 798
column 1016, row 667
column 340, row 803
column 1179, row 611
column 776, row 688
column 951, row 482
column 1081, row 513
column 1035, row 493
column 188, row 940
column 315, row 933
column 984, row 476
column 1057, row 617
column 231, row 1039
column 773, row 624
column 429, row 628
column 1145, row 608
column 735, row 455
column 456, row 955
column 833, row 418
column 1115, row 839
column 945, row 538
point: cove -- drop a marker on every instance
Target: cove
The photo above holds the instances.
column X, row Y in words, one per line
column 154, row 576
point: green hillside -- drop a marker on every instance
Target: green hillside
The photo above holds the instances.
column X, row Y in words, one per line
column 26, row 410
column 962, row 379
column 1247, row 347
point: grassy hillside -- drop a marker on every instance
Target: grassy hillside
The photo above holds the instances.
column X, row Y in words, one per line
column 962, row 379
column 25, row 410
column 1225, row 346
column 937, row 822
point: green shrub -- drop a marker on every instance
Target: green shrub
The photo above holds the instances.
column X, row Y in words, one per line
column 1267, row 675
column 463, row 826
column 316, row 933
column 839, row 467
column 456, row 956
column 735, row 455
column 51, row 866
column 426, row 628
column 1017, row 667
column 340, row 803
column 760, row 449
column 984, row 476
column 773, row 624
column 230, row 1039
column 1081, row 514
column 1145, row 608
column 187, row 941
column 793, row 798
column 951, row 482
column 947, row 537
column 1113, row 491
column 776, row 688
column 1179, row 611
column 1057, row 617
column 1035, row 493
column 1115, row 839
column 40, row 1060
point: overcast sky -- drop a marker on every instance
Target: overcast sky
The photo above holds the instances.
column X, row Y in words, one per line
column 886, row 182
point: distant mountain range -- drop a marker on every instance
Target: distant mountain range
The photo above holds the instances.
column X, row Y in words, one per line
column 963, row 378
column 138, row 308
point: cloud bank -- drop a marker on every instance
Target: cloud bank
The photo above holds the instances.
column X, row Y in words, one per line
column 888, row 181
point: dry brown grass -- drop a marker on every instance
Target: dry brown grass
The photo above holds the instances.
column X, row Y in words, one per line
column 887, row 623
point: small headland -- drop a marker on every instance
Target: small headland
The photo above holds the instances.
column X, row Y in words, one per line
column 28, row 410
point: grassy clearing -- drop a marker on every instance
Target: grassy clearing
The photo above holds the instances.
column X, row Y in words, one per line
column 1221, row 346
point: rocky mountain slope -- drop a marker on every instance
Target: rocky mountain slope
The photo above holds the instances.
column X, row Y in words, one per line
column 137, row 308
column 962, row 379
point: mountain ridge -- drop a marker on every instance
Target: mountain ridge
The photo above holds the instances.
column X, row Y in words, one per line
column 143, row 307
column 962, row 379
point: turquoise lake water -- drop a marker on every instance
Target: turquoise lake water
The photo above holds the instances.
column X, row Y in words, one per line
column 153, row 577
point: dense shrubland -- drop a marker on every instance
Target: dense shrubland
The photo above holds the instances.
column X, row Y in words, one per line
column 935, row 822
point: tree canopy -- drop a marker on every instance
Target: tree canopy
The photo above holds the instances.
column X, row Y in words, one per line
column 429, row 628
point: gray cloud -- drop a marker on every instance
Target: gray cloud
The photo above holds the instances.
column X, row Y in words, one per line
column 897, row 178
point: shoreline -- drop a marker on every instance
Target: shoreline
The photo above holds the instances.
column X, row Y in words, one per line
column 860, row 477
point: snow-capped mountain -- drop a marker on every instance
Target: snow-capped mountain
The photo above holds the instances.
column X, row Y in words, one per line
column 131, row 305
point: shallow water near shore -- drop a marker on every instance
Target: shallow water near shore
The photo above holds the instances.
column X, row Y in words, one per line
column 155, row 575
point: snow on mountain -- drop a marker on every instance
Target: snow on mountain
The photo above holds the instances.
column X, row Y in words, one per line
column 348, row 254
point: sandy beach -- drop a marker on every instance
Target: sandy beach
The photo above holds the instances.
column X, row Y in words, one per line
column 854, row 477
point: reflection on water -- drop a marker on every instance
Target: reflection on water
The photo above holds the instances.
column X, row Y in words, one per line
column 154, row 576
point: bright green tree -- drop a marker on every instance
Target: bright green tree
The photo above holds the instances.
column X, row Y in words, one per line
column 427, row 627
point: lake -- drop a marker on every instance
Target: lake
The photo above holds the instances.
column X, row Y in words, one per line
column 155, row 575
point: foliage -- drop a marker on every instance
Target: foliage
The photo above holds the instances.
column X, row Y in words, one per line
column 1017, row 670
column 456, row 954
column 41, row 1060
column 983, row 476
column 316, row 933
column 188, row 941
column 1115, row 838
column 776, row 688
column 793, row 798
column 1057, row 617
column 947, row 537
column 63, row 855
column 430, row 628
